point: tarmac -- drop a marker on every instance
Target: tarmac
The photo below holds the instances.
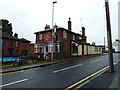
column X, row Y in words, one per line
column 106, row 80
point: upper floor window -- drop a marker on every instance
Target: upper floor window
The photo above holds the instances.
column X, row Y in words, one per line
column 73, row 37
column 40, row 36
column 10, row 43
column 80, row 38
column 17, row 44
column 25, row 45
column 64, row 34
column 3, row 42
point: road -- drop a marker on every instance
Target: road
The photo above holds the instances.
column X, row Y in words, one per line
column 56, row 76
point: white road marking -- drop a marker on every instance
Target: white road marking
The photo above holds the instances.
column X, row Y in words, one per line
column 66, row 68
column 95, row 60
column 13, row 83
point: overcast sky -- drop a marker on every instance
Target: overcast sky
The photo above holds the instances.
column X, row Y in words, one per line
column 29, row 16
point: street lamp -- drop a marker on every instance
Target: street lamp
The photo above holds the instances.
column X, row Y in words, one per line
column 52, row 27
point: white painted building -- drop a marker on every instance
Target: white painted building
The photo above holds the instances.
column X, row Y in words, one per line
column 116, row 45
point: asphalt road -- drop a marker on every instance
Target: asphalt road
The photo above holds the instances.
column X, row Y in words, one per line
column 56, row 76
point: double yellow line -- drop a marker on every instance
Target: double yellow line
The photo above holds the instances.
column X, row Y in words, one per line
column 77, row 83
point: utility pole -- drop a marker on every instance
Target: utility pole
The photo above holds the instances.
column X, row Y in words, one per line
column 52, row 28
column 109, row 37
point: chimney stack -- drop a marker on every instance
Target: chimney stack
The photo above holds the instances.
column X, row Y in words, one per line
column 83, row 35
column 69, row 24
column 47, row 27
column 83, row 31
column 16, row 35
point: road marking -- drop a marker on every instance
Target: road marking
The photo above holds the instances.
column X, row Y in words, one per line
column 66, row 68
column 12, row 72
column 96, row 60
column 13, row 83
column 88, row 78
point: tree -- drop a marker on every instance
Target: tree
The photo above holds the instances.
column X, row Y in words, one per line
column 6, row 26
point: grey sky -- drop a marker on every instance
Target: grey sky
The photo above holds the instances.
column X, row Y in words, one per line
column 29, row 16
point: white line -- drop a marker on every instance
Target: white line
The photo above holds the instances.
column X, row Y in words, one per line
column 95, row 60
column 13, row 83
column 67, row 68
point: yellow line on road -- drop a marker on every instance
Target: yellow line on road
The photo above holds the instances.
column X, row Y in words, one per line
column 12, row 72
column 89, row 77
column 86, row 78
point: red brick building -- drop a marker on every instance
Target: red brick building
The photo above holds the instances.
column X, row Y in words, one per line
column 62, row 46
column 13, row 46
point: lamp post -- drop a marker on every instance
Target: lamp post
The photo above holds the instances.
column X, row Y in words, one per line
column 109, row 37
column 52, row 28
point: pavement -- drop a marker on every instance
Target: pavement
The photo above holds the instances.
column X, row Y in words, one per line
column 105, row 80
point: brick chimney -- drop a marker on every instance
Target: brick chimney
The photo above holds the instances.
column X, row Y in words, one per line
column 47, row 27
column 83, row 35
column 69, row 24
column 16, row 35
column 83, row 31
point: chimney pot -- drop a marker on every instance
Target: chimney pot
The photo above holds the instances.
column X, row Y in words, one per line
column 16, row 35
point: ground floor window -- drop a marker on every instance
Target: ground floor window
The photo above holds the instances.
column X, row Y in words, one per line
column 50, row 47
column 74, row 48
column 41, row 49
column 57, row 47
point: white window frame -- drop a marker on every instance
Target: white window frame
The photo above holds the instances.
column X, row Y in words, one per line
column 58, row 46
column 40, row 36
column 41, row 48
column 50, row 47
column 80, row 38
column 17, row 43
column 36, row 48
column 64, row 34
column 73, row 37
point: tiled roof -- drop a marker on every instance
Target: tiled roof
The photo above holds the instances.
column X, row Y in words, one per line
column 7, row 36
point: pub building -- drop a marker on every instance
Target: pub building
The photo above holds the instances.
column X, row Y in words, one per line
column 62, row 41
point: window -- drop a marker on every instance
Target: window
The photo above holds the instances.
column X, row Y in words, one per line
column 50, row 47
column 64, row 34
column 75, row 48
column 80, row 38
column 57, row 47
column 36, row 48
column 16, row 52
column 17, row 44
column 41, row 49
column 96, row 49
column 3, row 42
column 40, row 36
column 25, row 45
column 73, row 37
column 10, row 43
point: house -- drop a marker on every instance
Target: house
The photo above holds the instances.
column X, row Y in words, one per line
column 10, row 44
column 116, row 45
column 62, row 45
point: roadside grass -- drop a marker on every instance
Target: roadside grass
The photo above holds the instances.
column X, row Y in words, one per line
column 29, row 62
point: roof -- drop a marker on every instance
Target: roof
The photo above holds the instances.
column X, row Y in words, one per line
column 58, row 28
column 8, row 36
